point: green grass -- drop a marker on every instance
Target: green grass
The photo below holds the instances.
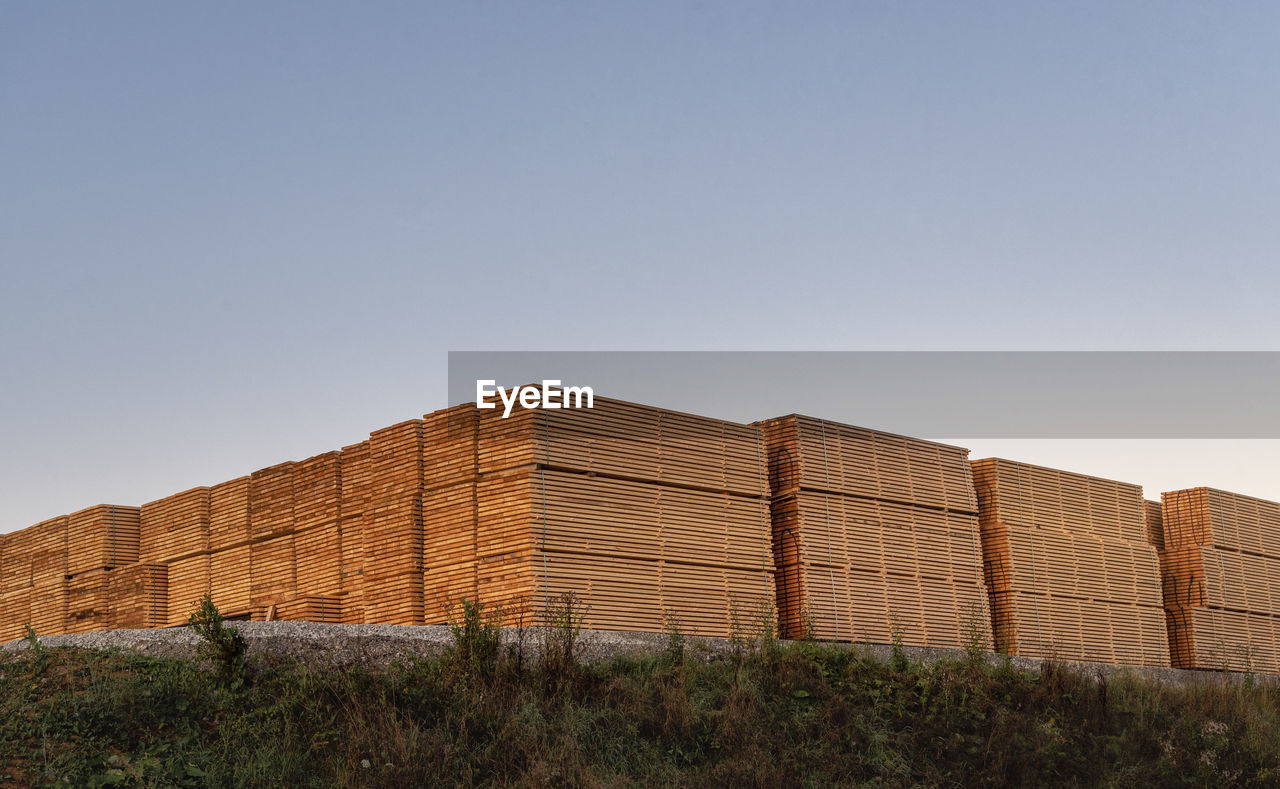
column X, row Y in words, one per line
column 774, row 715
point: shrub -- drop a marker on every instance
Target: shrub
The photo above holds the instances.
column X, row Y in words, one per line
column 221, row 645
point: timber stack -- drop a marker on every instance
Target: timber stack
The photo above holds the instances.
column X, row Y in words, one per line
column 1068, row 566
column 650, row 516
column 1221, row 566
column 875, row 536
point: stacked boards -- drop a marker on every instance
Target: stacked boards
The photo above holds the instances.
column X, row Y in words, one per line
column 1221, row 572
column 33, row 578
column 648, row 516
column 874, row 536
column 100, row 540
column 1068, row 565
column 241, row 537
column 56, row 576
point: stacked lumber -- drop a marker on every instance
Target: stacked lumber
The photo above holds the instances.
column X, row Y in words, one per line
column 310, row 608
column 174, row 527
column 231, row 579
column 1154, row 523
column 874, row 536
column 47, row 544
column 139, row 596
column 229, row 514
column 273, row 574
column 1221, row 580
column 188, row 584
column 392, row 526
column 817, row 454
column 15, row 561
column 449, row 510
column 102, row 537
column 643, row 513
column 89, row 602
column 317, row 488
column 49, row 605
column 15, row 614
column 352, row 509
column 625, row 440
column 1069, row 565
column 15, row 595
column 271, row 501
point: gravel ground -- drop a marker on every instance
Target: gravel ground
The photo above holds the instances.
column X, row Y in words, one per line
column 378, row 646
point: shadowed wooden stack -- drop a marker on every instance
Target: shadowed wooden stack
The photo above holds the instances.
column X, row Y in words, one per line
column 1068, row 565
column 645, row 514
column 15, row 584
column 1221, row 573
column 873, row 534
column 139, row 595
column 48, row 546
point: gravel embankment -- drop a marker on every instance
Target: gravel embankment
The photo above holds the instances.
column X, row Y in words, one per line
column 378, row 646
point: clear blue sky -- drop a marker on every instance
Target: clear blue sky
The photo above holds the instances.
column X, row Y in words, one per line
column 240, row 233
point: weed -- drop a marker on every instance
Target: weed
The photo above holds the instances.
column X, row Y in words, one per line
column 38, row 653
column 477, row 640
column 675, row 651
column 562, row 624
column 518, row 644
column 975, row 643
column 810, row 714
column 899, row 656
column 810, row 630
column 221, row 645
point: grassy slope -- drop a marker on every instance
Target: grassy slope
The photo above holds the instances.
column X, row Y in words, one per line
column 794, row 715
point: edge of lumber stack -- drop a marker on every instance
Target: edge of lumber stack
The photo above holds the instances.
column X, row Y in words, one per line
column 1069, row 569
column 648, row 515
column 875, row 536
column 1221, row 573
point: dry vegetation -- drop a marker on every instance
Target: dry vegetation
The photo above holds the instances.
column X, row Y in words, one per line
column 483, row 714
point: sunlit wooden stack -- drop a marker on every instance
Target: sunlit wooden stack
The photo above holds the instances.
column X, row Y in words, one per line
column 1070, row 570
column 175, row 526
column 139, row 596
column 99, row 540
column 645, row 514
column 874, row 534
column 317, row 486
column 49, row 575
column 1221, row 573
column 392, row 527
column 449, row 510
column 102, row 538
column 353, row 502
column 188, row 584
column 310, row 608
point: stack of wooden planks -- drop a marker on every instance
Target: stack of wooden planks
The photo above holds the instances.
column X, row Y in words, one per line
column 88, row 602
column 874, row 536
column 102, row 537
column 449, row 510
column 353, row 501
column 646, row 515
column 652, row 517
column 392, row 526
column 175, row 526
column 48, row 545
column 1221, row 575
column 1153, row 514
column 139, row 596
column 1070, row 570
